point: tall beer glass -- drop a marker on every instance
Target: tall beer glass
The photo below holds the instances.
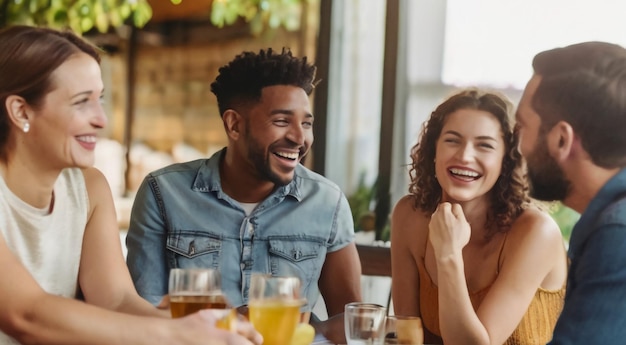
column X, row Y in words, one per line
column 274, row 307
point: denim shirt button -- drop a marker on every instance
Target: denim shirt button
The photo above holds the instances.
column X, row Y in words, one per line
column 242, row 265
column 297, row 254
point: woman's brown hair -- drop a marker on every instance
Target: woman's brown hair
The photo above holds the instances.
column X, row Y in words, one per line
column 509, row 195
column 28, row 56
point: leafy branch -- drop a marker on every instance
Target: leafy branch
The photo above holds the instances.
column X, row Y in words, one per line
column 258, row 13
column 85, row 15
column 79, row 15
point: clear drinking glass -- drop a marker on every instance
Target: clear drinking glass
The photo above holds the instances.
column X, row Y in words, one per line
column 364, row 323
column 193, row 289
column 405, row 330
column 274, row 307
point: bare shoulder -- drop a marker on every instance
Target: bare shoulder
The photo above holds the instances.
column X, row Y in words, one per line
column 97, row 186
column 94, row 179
column 535, row 240
column 408, row 225
column 537, row 226
column 404, row 214
column 403, row 207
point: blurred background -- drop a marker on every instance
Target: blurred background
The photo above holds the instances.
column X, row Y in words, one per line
column 384, row 66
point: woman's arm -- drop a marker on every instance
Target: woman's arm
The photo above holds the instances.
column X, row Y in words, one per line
column 103, row 275
column 404, row 274
column 533, row 249
column 32, row 316
column 534, row 256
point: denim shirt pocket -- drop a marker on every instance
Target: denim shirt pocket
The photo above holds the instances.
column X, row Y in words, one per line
column 190, row 249
column 301, row 257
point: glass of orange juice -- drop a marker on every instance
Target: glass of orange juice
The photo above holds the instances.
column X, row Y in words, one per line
column 274, row 307
column 193, row 289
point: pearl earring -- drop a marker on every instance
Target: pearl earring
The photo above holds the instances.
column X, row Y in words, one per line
column 26, row 127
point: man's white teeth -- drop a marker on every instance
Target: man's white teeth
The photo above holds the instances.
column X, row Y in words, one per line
column 87, row 138
column 288, row 155
column 467, row 173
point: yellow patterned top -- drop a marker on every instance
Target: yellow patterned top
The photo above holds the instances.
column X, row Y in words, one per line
column 536, row 326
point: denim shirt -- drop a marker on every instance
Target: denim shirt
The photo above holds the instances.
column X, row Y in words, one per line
column 595, row 301
column 181, row 218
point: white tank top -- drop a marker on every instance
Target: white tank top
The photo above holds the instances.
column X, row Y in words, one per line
column 48, row 244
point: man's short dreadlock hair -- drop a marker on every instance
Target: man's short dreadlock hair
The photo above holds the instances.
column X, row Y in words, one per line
column 242, row 79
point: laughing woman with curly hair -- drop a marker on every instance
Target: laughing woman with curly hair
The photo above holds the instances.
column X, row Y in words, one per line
column 470, row 254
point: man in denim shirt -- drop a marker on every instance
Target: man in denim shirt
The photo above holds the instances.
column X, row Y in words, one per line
column 252, row 207
column 572, row 122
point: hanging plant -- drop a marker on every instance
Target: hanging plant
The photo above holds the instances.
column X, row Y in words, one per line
column 86, row 15
column 79, row 15
column 258, row 13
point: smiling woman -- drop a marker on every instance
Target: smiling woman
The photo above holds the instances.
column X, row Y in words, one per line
column 466, row 242
column 59, row 239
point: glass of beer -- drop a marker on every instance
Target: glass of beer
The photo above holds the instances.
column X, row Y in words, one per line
column 193, row 289
column 404, row 330
column 274, row 307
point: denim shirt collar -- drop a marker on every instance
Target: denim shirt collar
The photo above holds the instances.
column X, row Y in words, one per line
column 612, row 190
column 208, row 180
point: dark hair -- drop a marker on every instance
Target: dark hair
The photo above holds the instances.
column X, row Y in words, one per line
column 585, row 85
column 28, row 56
column 508, row 195
column 241, row 80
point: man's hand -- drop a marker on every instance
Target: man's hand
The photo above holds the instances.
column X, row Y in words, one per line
column 333, row 329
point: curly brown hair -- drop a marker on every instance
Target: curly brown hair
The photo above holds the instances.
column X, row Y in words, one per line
column 509, row 195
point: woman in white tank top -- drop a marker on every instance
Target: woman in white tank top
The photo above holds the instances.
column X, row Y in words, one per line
column 58, row 229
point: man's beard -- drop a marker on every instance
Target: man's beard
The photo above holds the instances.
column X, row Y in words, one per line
column 261, row 161
column 546, row 178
